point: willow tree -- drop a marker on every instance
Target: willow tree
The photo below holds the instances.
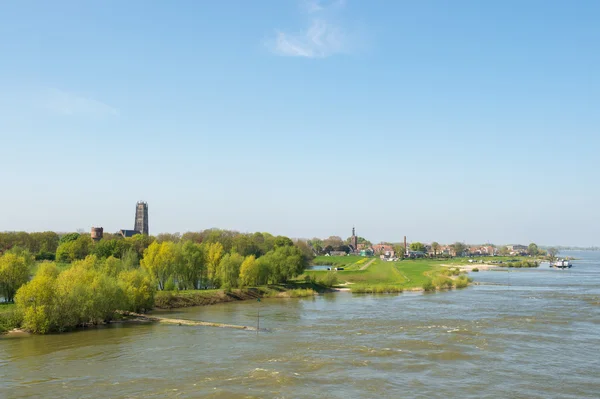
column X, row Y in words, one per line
column 14, row 272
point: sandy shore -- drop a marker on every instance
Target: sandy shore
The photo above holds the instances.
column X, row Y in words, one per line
column 469, row 267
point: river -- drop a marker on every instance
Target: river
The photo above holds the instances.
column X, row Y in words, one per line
column 523, row 334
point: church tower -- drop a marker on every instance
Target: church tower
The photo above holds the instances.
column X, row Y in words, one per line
column 141, row 218
column 354, row 240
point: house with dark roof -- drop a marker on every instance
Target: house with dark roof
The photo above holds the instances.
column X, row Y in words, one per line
column 128, row 233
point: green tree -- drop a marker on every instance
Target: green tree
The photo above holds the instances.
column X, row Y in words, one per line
column 138, row 243
column 552, row 252
column 14, row 272
column 44, row 242
column 533, row 249
column 68, row 238
column 36, row 301
column 192, row 265
column 436, row 247
column 282, row 241
column 130, row 259
column 285, row 263
column 244, row 245
column 333, row 241
column 504, row 251
column 459, row 248
column 399, row 249
column 417, row 246
column 105, row 248
column 194, row 236
column 249, row 272
column 173, row 237
column 112, row 266
column 229, row 270
column 138, row 290
column 214, row 253
column 72, row 250
column 306, row 250
column 160, row 260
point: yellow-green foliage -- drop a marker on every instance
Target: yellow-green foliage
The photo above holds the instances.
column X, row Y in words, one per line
column 83, row 294
column 329, row 280
column 138, row 290
column 428, row 286
column 14, row 272
column 524, row 263
column 452, row 271
column 442, row 282
column 462, row 281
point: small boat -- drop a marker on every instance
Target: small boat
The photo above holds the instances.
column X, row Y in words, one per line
column 561, row 264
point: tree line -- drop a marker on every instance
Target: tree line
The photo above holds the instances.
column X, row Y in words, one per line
column 90, row 280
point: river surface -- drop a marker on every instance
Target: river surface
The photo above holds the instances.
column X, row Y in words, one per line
column 527, row 334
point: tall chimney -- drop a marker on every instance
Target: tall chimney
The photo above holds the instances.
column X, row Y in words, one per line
column 405, row 247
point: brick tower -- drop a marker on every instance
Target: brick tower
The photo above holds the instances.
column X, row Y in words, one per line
column 141, row 218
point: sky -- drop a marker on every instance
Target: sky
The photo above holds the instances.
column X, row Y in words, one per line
column 439, row 120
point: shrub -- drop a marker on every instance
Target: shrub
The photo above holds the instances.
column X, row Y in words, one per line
column 475, row 269
column 138, row 290
column 330, row 279
column 10, row 320
column 461, row 282
column 428, row 286
column 442, row 282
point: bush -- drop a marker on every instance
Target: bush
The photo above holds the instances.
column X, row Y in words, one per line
column 475, row 270
column 138, row 290
column 461, row 282
column 442, row 282
column 80, row 296
column 330, row 279
column 428, row 286
column 10, row 320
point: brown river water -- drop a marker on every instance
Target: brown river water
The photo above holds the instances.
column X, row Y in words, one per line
column 522, row 334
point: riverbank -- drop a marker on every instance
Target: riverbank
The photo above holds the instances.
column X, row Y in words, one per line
column 374, row 275
column 183, row 299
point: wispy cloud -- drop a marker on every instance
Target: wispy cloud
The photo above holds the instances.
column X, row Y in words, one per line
column 70, row 104
column 321, row 39
column 321, row 5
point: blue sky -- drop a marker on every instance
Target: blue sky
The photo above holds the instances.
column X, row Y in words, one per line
column 463, row 120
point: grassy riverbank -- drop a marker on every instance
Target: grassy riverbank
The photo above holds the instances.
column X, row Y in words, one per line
column 181, row 299
column 340, row 261
column 389, row 277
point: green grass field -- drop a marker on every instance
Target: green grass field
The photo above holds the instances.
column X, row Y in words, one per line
column 352, row 261
column 405, row 274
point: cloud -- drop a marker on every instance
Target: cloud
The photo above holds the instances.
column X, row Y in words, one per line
column 312, row 6
column 321, row 39
column 70, row 104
